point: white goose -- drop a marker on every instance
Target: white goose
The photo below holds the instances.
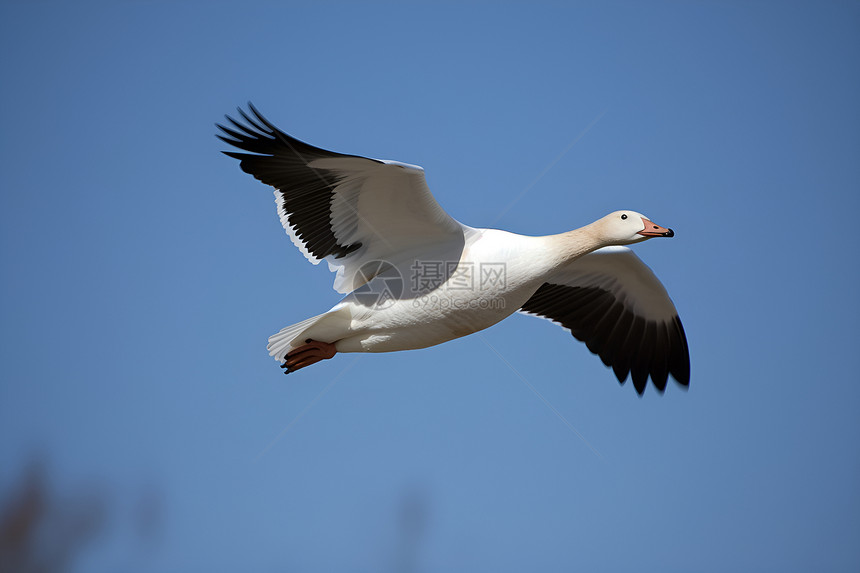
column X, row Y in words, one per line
column 415, row 277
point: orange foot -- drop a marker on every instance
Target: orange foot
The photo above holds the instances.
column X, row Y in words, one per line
column 310, row 353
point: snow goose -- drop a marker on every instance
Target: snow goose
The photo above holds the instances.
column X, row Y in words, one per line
column 414, row 277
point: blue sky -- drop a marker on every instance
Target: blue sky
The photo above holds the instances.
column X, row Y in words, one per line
column 143, row 271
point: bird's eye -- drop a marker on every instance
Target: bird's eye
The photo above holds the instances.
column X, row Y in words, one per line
column 623, row 216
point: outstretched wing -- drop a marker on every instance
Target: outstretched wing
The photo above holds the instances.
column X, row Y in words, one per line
column 612, row 301
column 345, row 209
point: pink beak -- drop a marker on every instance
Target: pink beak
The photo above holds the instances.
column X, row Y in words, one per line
column 654, row 230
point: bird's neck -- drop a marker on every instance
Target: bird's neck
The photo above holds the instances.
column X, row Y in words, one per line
column 569, row 246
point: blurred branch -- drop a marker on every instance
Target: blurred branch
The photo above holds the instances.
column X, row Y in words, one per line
column 42, row 534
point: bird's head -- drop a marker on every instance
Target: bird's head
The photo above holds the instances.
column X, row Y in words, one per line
column 628, row 227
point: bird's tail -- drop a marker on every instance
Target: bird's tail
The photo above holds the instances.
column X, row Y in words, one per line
column 327, row 327
column 282, row 342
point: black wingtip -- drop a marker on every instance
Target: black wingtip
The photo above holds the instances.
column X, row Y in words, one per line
column 620, row 373
column 260, row 117
column 640, row 382
column 681, row 370
column 232, row 141
column 253, row 122
column 219, row 135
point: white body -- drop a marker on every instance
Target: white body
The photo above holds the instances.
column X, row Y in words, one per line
column 425, row 318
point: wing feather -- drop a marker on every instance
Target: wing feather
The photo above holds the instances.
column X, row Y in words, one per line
column 345, row 209
column 611, row 301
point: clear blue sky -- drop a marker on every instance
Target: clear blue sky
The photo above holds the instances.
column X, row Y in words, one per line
column 142, row 273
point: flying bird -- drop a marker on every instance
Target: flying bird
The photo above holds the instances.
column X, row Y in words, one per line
column 415, row 277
